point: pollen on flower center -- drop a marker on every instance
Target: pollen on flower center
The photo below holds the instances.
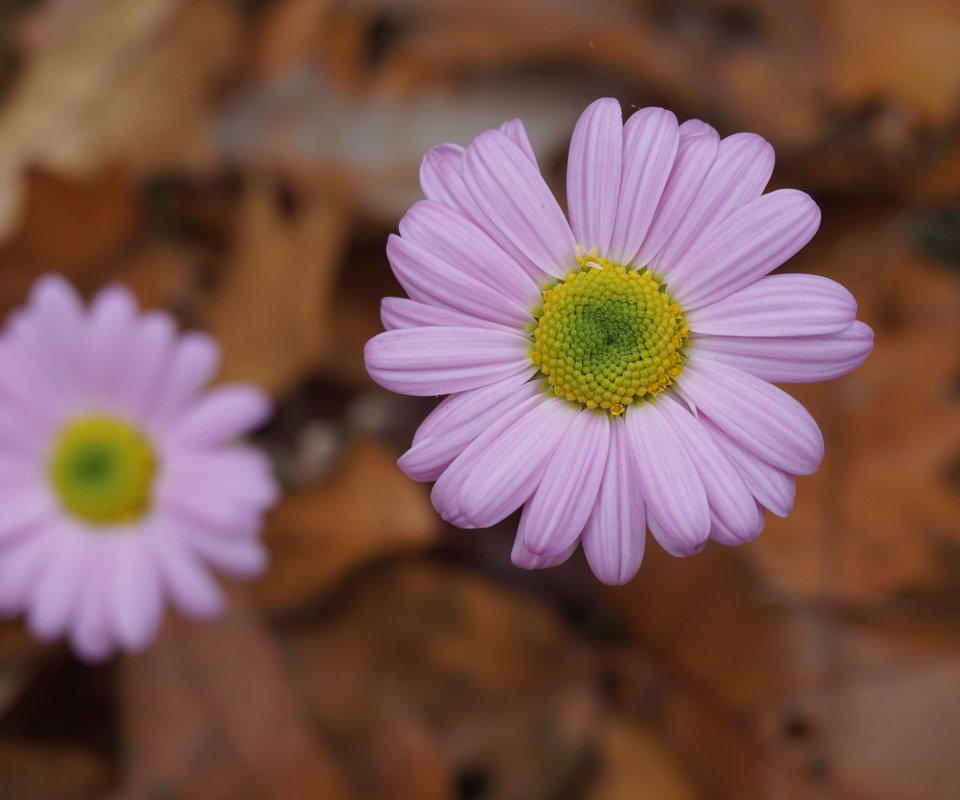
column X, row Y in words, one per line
column 607, row 336
column 102, row 470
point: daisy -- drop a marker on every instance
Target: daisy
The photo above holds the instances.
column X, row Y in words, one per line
column 121, row 482
column 611, row 373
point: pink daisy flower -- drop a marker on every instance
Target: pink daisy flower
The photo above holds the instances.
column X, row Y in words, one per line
column 613, row 373
column 121, row 482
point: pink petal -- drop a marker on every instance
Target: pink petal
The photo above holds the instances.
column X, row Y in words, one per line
column 240, row 558
column 52, row 328
column 441, row 178
column 90, row 635
column 216, row 510
column 241, row 476
column 516, row 204
column 20, row 477
column 401, row 312
column 672, row 487
column 613, row 539
column 732, row 537
column 757, row 415
column 593, row 173
column 773, row 488
column 731, row 503
column 56, row 592
column 22, row 435
column 450, row 236
column 795, row 359
column 145, row 363
column 23, row 563
column 560, row 507
column 501, row 469
column 134, row 591
column 696, row 152
column 427, row 278
column 751, row 242
column 26, row 510
column 650, row 141
column 27, row 391
column 220, row 415
column 106, row 338
column 441, row 360
column 193, row 363
column 516, row 133
column 446, row 492
column 526, row 559
column 779, row 305
column 189, row 584
column 457, row 421
column 738, row 175
column 664, row 537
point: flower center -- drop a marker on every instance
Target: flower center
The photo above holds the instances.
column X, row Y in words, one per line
column 607, row 336
column 102, row 470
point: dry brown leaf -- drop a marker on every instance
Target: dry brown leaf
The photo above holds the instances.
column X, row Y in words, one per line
column 129, row 82
column 488, row 675
column 367, row 153
column 46, row 25
column 636, row 766
column 860, row 102
column 760, row 700
column 271, row 313
column 898, row 52
column 288, row 34
column 883, row 722
column 49, row 771
column 367, row 511
column 77, row 227
column 208, row 716
column 879, row 514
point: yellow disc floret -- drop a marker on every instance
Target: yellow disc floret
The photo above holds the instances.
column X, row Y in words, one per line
column 607, row 336
column 102, row 470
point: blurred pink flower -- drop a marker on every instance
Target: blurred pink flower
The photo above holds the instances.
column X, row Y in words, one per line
column 122, row 484
column 612, row 373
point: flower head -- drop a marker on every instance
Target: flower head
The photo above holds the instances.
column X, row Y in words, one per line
column 613, row 373
column 122, row 482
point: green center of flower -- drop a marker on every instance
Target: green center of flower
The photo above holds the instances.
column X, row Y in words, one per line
column 607, row 336
column 102, row 470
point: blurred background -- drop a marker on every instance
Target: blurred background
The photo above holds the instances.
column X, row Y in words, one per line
column 241, row 162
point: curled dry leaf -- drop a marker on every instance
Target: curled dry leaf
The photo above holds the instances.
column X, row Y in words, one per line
column 78, row 227
column 126, row 82
column 635, row 765
column 879, row 515
column 761, row 700
column 862, row 99
column 317, row 535
column 47, row 771
column 488, row 675
column 209, row 716
column 367, row 152
column 271, row 312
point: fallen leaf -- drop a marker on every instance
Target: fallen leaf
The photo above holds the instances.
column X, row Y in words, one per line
column 635, row 765
column 50, row 771
column 367, row 154
column 879, row 515
column 899, row 52
column 78, row 227
column 758, row 699
column 367, row 511
column 485, row 673
column 271, row 312
column 128, row 83
column 208, row 714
